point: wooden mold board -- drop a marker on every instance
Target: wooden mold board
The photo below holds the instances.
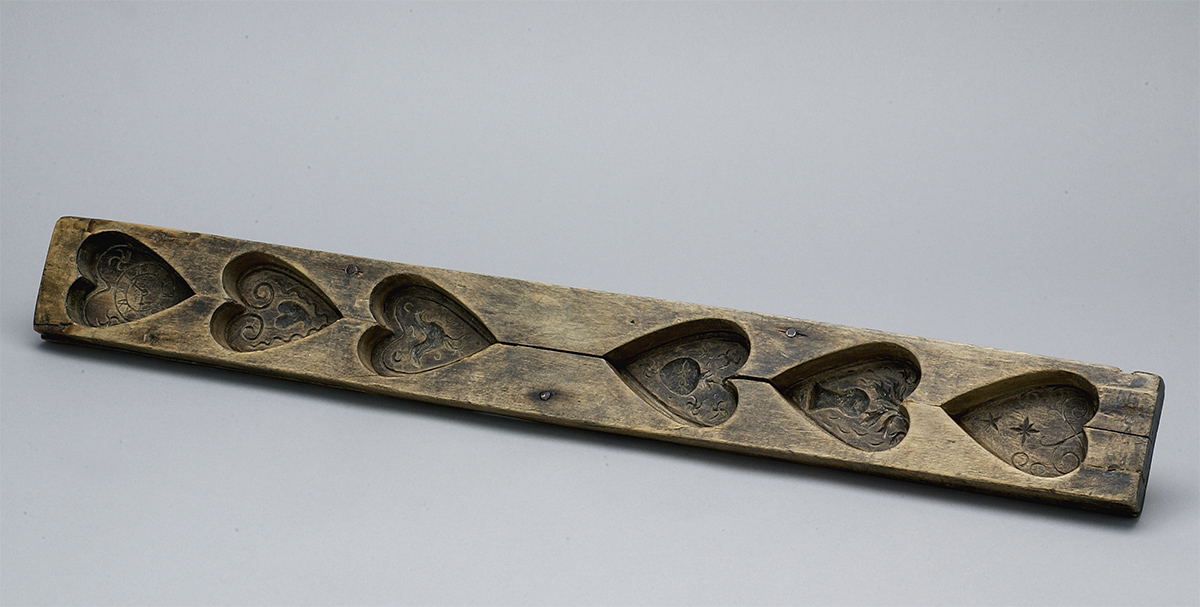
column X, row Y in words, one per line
column 958, row 415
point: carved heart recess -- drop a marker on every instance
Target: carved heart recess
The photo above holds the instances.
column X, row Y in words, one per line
column 687, row 378
column 122, row 281
column 856, row 395
column 428, row 330
column 273, row 306
column 1038, row 431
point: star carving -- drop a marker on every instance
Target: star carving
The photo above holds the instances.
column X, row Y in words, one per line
column 1026, row 430
column 993, row 420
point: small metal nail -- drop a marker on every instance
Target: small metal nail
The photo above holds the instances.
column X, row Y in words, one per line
column 791, row 332
column 545, row 395
column 351, row 270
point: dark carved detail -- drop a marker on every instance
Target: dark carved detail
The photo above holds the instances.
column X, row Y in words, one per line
column 1038, row 431
column 123, row 281
column 277, row 307
column 687, row 378
column 859, row 404
column 429, row 331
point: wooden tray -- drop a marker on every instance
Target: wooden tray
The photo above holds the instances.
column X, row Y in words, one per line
column 965, row 416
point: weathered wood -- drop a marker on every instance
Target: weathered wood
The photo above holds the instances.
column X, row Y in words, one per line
column 951, row 414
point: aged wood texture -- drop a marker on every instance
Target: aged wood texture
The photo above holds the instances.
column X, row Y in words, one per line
column 951, row 414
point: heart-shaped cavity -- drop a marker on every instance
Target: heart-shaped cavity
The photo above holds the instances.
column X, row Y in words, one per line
column 686, row 377
column 856, row 395
column 425, row 329
column 273, row 305
column 121, row 281
column 1037, row 430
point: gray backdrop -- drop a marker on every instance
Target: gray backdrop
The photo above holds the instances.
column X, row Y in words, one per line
column 1021, row 176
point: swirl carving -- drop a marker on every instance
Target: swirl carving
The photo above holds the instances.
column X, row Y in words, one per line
column 428, row 330
column 860, row 404
column 277, row 307
column 687, row 379
column 127, row 281
column 1038, row 431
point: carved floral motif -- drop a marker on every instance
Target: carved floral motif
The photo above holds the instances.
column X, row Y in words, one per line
column 687, row 379
column 278, row 308
column 428, row 331
column 1038, row 431
column 131, row 282
column 859, row 404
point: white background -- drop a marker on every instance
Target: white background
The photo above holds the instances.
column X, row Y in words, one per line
column 1023, row 176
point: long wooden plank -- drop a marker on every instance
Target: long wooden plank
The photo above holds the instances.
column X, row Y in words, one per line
column 952, row 414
